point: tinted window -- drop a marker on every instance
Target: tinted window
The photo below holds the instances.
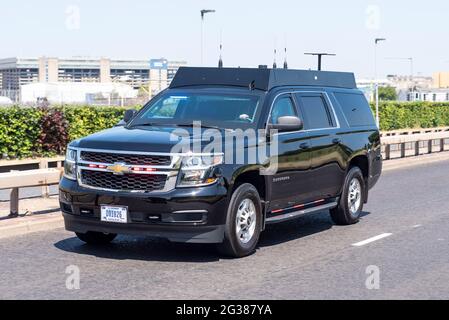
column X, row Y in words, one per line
column 356, row 109
column 315, row 112
column 283, row 107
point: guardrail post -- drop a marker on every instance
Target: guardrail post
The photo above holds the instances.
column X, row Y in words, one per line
column 403, row 150
column 441, row 145
column 14, row 203
column 387, row 152
column 43, row 164
column 429, row 146
column 416, row 148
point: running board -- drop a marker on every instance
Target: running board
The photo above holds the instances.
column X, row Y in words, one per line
column 293, row 215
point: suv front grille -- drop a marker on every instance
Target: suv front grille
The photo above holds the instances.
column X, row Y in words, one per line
column 127, row 182
column 131, row 159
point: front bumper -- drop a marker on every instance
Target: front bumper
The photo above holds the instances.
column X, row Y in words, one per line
column 193, row 215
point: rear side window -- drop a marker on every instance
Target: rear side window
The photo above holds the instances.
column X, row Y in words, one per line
column 356, row 109
column 315, row 111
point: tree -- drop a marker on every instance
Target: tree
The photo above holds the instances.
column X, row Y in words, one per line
column 387, row 94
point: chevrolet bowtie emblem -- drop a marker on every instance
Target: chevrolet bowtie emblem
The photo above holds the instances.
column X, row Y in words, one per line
column 119, row 169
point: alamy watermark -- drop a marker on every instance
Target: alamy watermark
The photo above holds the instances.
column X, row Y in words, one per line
column 251, row 147
column 73, row 17
column 73, row 280
column 373, row 280
column 373, row 17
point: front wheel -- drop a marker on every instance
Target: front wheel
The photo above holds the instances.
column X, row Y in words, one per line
column 96, row 238
column 351, row 202
column 243, row 223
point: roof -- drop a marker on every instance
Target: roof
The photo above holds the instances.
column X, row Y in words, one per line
column 263, row 79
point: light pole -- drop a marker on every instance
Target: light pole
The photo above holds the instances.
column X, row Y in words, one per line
column 203, row 13
column 376, row 41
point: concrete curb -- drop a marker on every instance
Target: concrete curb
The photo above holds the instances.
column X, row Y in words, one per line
column 30, row 224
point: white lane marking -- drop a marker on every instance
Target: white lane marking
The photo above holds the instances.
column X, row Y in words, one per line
column 376, row 238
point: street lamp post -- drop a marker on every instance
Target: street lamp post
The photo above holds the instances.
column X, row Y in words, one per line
column 203, row 13
column 376, row 41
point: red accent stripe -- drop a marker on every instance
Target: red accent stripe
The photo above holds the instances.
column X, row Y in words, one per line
column 299, row 206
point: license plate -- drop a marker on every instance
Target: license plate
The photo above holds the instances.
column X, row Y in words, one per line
column 114, row 214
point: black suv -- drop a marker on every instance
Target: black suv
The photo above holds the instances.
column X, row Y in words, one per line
column 316, row 127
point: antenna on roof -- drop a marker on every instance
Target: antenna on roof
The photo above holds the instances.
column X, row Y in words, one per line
column 274, row 62
column 220, row 60
column 285, row 52
column 319, row 55
column 285, row 61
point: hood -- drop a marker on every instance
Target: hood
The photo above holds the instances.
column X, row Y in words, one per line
column 143, row 139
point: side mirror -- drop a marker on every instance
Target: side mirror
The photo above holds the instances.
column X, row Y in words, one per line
column 129, row 114
column 287, row 124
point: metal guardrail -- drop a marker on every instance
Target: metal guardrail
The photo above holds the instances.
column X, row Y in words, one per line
column 400, row 144
column 15, row 180
column 413, row 131
column 38, row 163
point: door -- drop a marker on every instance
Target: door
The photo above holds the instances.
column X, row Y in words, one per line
column 290, row 182
column 322, row 125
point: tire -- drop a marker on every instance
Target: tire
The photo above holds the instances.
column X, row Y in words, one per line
column 96, row 238
column 344, row 213
column 245, row 202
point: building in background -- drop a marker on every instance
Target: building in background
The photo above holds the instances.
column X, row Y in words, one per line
column 410, row 82
column 158, row 76
column 408, row 88
column 95, row 93
column 368, row 86
column 17, row 72
column 430, row 95
column 441, row 80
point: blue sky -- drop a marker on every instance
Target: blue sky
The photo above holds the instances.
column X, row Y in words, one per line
column 250, row 30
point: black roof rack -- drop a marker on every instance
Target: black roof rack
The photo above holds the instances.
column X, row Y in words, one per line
column 262, row 79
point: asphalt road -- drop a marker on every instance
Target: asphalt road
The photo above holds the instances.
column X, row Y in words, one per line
column 309, row 258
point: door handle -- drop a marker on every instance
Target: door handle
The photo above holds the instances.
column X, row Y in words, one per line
column 304, row 146
column 336, row 141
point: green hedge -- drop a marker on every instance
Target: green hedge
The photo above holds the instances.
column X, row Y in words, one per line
column 410, row 115
column 84, row 121
column 30, row 132
column 19, row 131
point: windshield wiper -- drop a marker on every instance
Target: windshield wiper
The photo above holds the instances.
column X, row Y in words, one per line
column 190, row 125
column 185, row 125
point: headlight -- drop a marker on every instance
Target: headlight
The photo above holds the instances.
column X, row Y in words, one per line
column 197, row 170
column 70, row 164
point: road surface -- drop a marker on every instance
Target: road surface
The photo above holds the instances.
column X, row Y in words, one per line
column 403, row 235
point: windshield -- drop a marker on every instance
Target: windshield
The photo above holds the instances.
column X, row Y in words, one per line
column 224, row 110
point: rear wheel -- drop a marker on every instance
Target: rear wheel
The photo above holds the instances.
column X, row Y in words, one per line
column 243, row 223
column 351, row 202
column 96, row 238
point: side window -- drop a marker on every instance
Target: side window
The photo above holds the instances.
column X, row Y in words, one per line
column 356, row 109
column 316, row 112
column 283, row 107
